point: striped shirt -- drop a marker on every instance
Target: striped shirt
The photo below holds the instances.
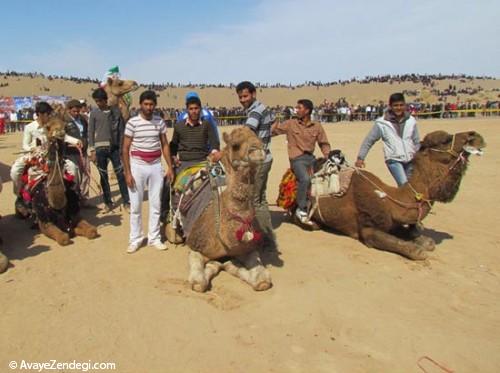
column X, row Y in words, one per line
column 259, row 120
column 189, row 142
column 145, row 135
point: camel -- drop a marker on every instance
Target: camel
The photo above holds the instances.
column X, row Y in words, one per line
column 54, row 203
column 376, row 213
column 116, row 90
column 225, row 228
column 4, row 261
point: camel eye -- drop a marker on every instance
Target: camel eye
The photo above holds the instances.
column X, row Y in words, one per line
column 236, row 147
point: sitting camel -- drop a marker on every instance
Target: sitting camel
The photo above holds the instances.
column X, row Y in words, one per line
column 4, row 261
column 54, row 203
column 225, row 228
column 376, row 213
column 116, row 90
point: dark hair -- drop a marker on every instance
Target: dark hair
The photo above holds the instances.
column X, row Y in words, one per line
column 99, row 94
column 396, row 97
column 307, row 104
column 43, row 107
column 246, row 85
column 193, row 100
column 73, row 103
column 147, row 95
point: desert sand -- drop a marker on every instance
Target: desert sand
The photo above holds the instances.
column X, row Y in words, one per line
column 355, row 93
column 336, row 305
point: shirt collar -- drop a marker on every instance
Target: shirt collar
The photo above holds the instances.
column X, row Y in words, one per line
column 189, row 123
column 308, row 124
column 253, row 106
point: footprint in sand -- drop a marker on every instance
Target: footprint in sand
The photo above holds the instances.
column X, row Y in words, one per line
column 217, row 297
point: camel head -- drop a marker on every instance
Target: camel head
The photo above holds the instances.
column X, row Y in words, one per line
column 117, row 87
column 243, row 149
column 55, row 181
column 116, row 90
column 448, row 155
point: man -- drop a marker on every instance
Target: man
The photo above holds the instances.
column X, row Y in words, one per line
column 144, row 142
column 13, row 121
column 302, row 134
column 105, row 135
column 35, row 134
column 398, row 130
column 259, row 120
column 77, row 127
column 206, row 115
column 193, row 137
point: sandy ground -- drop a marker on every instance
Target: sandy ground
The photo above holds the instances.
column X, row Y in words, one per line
column 336, row 306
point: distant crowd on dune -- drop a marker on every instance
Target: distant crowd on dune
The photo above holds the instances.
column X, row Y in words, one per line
column 425, row 79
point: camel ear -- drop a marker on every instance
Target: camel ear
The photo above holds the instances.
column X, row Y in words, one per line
column 226, row 137
column 435, row 138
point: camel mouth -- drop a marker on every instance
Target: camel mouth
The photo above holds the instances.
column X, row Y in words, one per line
column 469, row 149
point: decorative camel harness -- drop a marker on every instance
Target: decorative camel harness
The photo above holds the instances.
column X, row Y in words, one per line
column 420, row 199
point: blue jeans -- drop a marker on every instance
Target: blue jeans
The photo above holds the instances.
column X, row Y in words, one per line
column 302, row 167
column 400, row 171
column 104, row 155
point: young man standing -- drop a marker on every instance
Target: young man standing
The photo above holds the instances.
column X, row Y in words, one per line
column 302, row 134
column 193, row 137
column 104, row 144
column 398, row 130
column 144, row 142
column 77, row 126
column 205, row 114
column 259, row 120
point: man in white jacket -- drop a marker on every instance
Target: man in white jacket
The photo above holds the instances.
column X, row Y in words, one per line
column 35, row 134
column 398, row 130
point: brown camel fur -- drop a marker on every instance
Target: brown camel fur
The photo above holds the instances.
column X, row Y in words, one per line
column 59, row 204
column 375, row 213
column 242, row 154
column 116, row 89
column 4, row 261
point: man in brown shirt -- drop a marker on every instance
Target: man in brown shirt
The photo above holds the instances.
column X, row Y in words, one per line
column 302, row 135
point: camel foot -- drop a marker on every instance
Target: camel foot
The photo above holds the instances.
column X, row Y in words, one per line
column 85, row 229
column 417, row 254
column 263, row 286
column 425, row 243
column 63, row 239
column 4, row 263
column 51, row 231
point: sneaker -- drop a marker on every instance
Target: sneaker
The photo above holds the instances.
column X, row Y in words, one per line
column 158, row 245
column 302, row 216
column 133, row 247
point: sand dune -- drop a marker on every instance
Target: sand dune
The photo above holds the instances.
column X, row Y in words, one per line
column 355, row 93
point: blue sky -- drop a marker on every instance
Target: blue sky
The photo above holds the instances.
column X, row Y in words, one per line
column 267, row 41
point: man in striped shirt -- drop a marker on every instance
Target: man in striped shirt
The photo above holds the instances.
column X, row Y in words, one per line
column 144, row 142
column 259, row 119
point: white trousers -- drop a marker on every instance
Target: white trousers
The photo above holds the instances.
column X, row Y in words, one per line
column 150, row 175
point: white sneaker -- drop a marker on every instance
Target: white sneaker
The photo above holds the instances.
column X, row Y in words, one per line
column 133, row 247
column 302, row 216
column 158, row 245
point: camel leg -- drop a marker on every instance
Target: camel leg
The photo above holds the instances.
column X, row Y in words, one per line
column 85, row 229
column 201, row 271
column 4, row 262
column 426, row 243
column 250, row 270
column 384, row 241
column 51, row 231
